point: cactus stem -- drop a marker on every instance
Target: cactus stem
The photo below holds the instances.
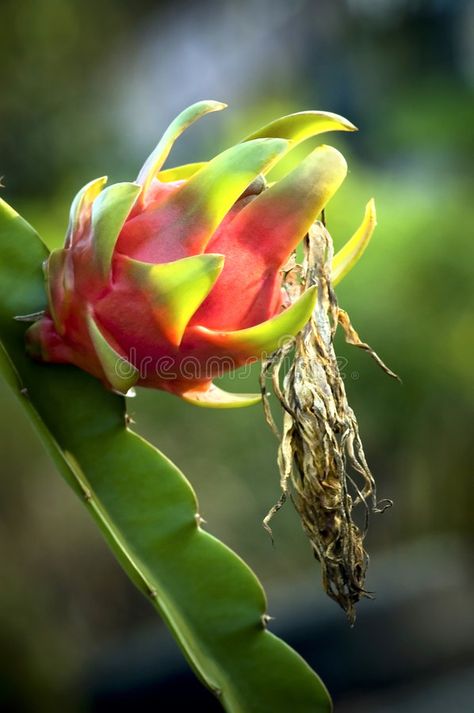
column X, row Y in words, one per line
column 134, row 571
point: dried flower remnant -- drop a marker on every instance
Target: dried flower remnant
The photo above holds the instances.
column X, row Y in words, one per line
column 321, row 457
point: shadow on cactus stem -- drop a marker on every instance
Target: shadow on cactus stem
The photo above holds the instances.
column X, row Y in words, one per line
column 321, row 458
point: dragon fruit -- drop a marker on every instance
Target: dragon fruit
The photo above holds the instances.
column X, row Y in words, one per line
column 176, row 278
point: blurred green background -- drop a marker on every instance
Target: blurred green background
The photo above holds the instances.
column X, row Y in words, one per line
column 87, row 88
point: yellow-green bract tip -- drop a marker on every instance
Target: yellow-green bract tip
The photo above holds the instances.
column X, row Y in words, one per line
column 267, row 336
column 303, row 125
column 176, row 289
column 159, row 155
column 214, row 397
column 349, row 254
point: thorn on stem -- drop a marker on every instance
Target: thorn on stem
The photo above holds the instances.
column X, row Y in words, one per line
column 265, row 618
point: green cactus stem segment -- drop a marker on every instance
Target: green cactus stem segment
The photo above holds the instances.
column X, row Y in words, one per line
column 176, row 289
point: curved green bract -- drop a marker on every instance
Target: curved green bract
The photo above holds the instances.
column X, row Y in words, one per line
column 344, row 260
column 147, row 511
column 302, row 125
column 180, row 173
column 267, row 336
column 203, row 201
column 184, row 120
column 176, row 289
column 54, row 269
column 215, row 397
column 290, row 206
column 120, row 373
column 81, row 204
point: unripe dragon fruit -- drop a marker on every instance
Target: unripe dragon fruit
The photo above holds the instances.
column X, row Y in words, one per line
column 168, row 281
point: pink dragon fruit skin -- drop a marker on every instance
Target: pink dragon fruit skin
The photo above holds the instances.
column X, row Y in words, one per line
column 172, row 280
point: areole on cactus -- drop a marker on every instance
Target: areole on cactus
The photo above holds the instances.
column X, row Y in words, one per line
column 173, row 279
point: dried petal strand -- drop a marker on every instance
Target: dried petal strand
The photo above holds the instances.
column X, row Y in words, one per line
column 353, row 338
column 320, row 443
